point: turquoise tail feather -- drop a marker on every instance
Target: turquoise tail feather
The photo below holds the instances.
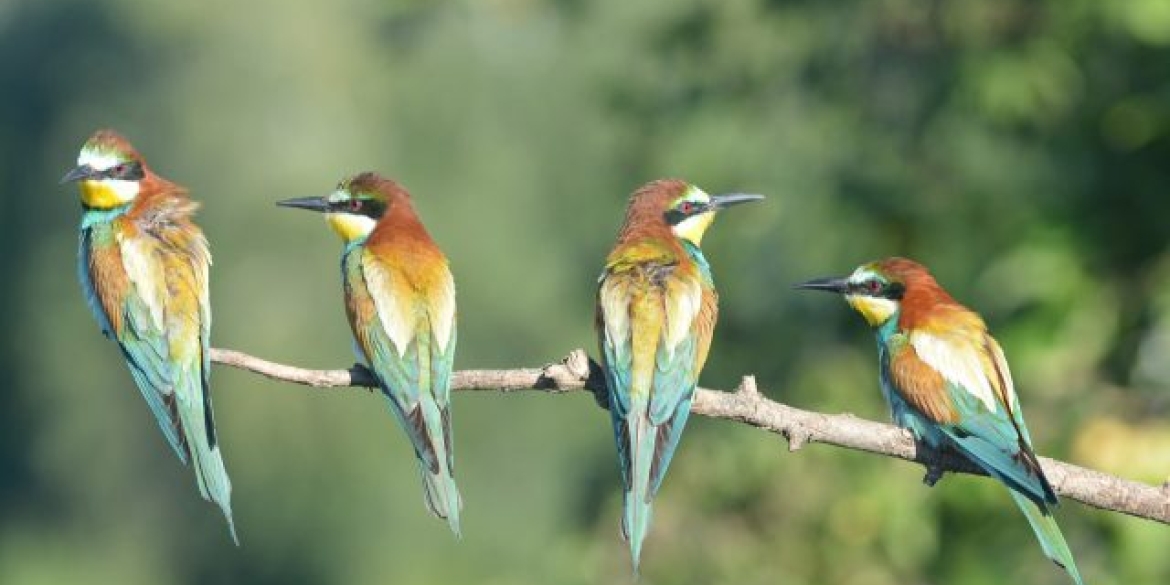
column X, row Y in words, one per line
column 1031, row 492
column 646, row 449
column 1049, row 535
column 637, row 513
column 202, row 443
column 669, row 434
column 429, row 429
column 442, row 497
column 1004, row 464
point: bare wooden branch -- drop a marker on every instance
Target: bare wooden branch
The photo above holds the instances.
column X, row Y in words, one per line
column 747, row 405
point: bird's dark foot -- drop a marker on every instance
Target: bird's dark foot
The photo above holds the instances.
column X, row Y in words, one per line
column 362, row 376
column 933, row 460
column 933, row 474
column 595, row 383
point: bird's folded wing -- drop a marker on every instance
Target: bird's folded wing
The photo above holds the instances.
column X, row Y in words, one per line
column 982, row 425
column 154, row 352
column 651, row 341
column 385, row 316
column 440, row 303
column 613, row 328
column 146, row 351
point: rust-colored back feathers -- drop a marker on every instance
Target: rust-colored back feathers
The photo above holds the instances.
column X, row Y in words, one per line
column 925, row 304
column 399, row 233
column 645, row 214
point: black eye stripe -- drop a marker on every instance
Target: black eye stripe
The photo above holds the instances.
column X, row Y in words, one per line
column 895, row 291
column 127, row 171
column 891, row 290
column 372, row 208
column 677, row 215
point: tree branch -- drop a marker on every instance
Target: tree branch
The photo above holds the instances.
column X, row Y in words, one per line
column 746, row 405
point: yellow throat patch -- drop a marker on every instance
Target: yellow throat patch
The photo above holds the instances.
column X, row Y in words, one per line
column 693, row 228
column 350, row 227
column 875, row 310
column 106, row 194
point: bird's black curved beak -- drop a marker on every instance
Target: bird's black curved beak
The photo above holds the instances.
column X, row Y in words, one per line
column 837, row 285
column 80, row 173
column 310, row 203
column 729, row 199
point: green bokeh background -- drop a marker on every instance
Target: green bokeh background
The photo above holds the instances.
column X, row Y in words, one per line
column 1020, row 148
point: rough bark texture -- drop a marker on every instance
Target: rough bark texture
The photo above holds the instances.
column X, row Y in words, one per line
column 746, row 405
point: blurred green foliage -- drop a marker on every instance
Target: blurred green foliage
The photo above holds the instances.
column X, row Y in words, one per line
column 1018, row 147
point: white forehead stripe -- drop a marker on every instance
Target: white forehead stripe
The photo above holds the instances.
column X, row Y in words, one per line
column 696, row 194
column 862, row 275
column 337, row 196
column 97, row 160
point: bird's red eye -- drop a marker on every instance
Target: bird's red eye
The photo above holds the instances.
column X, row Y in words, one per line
column 120, row 169
column 355, row 205
column 687, row 207
column 874, row 286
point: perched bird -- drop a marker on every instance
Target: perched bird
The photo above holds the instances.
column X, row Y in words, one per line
column 400, row 300
column 947, row 381
column 143, row 266
column 656, row 310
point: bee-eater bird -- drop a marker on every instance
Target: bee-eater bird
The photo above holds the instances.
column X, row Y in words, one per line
column 656, row 310
column 143, row 266
column 946, row 380
column 400, row 300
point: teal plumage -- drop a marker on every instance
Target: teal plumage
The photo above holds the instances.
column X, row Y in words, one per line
column 947, row 381
column 143, row 267
column 415, row 383
column 997, row 444
column 656, row 310
column 648, row 412
column 400, row 300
